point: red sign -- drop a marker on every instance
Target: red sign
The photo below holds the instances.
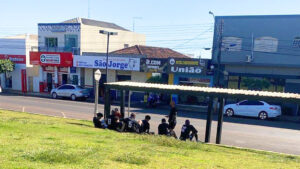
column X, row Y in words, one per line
column 61, row 59
column 17, row 59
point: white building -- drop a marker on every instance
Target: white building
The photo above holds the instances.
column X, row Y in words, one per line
column 17, row 48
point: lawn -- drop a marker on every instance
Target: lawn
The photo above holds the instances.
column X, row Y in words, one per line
column 36, row 141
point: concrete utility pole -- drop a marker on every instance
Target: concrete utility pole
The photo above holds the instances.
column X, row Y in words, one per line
column 219, row 52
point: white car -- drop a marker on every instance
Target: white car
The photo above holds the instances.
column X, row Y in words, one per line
column 259, row 109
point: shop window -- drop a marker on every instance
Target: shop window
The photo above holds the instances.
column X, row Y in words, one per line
column 8, row 80
column 51, row 42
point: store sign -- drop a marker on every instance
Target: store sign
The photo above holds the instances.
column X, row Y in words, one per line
column 61, row 59
column 187, row 66
column 115, row 63
column 63, row 69
column 154, row 65
column 48, row 69
column 50, row 58
column 17, row 59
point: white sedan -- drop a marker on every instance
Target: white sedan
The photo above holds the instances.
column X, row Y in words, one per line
column 259, row 109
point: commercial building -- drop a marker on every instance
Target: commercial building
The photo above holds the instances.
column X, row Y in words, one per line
column 82, row 38
column 259, row 49
column 16, row 49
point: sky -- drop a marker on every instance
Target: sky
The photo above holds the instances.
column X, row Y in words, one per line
column 182, row 25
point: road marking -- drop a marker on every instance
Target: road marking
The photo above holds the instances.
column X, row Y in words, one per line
column 23, row 109
column 63, row 114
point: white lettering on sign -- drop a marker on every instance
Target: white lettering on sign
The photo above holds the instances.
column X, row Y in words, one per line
column 195, row 70
column 50, row 58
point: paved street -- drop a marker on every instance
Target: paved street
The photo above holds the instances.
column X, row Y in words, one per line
column 270, row 135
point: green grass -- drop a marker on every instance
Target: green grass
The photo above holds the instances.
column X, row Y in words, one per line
column 36, row 141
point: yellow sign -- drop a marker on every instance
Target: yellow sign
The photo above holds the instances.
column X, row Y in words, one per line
column 181, row 62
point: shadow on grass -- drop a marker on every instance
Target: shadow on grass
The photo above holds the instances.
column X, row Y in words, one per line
column 80, row 124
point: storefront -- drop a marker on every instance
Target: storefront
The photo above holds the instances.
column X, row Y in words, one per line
column 15, row 80
column 55, row 69
column 119, row 69
column 190, row 72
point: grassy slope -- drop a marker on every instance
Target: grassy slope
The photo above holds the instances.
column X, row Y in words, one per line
column 34, row 141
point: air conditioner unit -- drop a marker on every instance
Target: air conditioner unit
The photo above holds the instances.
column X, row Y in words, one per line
column 249, row 59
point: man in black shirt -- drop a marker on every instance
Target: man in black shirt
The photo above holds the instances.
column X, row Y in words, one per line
column 188, row 131
column 97, row 120
column 145, row 127
column 172, row 119
column 131, row 125
column 163, row 128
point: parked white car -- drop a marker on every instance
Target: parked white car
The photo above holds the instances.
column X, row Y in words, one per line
column 259, row 109
column 71, row 91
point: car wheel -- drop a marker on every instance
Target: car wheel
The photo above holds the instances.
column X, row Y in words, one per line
column 229, row 112
column 73, row 97
column 263, row 115
column 54, row 95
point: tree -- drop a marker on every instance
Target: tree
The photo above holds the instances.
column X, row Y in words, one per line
column 6, row 66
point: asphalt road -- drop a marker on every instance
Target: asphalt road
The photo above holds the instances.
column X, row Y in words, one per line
column 271, row 135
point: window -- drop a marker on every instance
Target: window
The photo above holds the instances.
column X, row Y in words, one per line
column 126, row 45
column 231, row 44
column 62, row 87
column 51, row 42
column 70, row 87
column 251, row 103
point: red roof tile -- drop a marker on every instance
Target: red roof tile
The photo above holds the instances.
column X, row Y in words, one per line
column 150, row 52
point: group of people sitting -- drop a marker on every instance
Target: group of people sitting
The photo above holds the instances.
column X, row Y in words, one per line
column 116, row 122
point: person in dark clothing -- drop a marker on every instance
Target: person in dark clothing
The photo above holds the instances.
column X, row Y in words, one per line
column 172, row 119
column 163, row 128
column 188, row 131
column 172, row 116
column 98, row 123
column 145, row 127
column 114, row 123
column 131, row 125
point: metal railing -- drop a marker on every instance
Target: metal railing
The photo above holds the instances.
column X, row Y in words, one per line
column 74, row 50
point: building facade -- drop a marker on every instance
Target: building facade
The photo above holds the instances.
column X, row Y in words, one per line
column 16, row 49
column 262, row 49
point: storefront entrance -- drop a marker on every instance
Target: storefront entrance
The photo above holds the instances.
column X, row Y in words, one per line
column 49, row 81
column 64, row 78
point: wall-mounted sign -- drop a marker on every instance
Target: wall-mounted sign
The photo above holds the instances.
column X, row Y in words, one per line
column 59, row 59
column 63, row 69
column 115, row 63
column 187, row 66
column 17, row 59
column 231, row 44
column 59, row 27
column 154, row 65
column 265, row 44
column 50, row 59
column 48, row 68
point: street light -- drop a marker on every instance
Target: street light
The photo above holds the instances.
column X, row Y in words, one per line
column 97, row 77
column 108, row 34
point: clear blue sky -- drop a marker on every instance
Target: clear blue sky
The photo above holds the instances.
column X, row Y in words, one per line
column 183, row 25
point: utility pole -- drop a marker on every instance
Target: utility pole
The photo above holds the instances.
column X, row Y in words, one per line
column 219, row 53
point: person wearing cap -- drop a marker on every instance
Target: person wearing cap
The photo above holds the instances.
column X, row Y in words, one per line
column 145, row 126
column 163, row 128
column 188, row 131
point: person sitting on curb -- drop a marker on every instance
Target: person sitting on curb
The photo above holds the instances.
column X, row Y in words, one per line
column 188, row 131
column 98, row 123
column 163, row 128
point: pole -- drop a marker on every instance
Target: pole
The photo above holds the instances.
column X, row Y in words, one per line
column 209, row 120
column 122, row 106
column 96, row 97
column 219, row 53
column 220, row 120
column 129, row 98
column 107, row 103
column 108, row 33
